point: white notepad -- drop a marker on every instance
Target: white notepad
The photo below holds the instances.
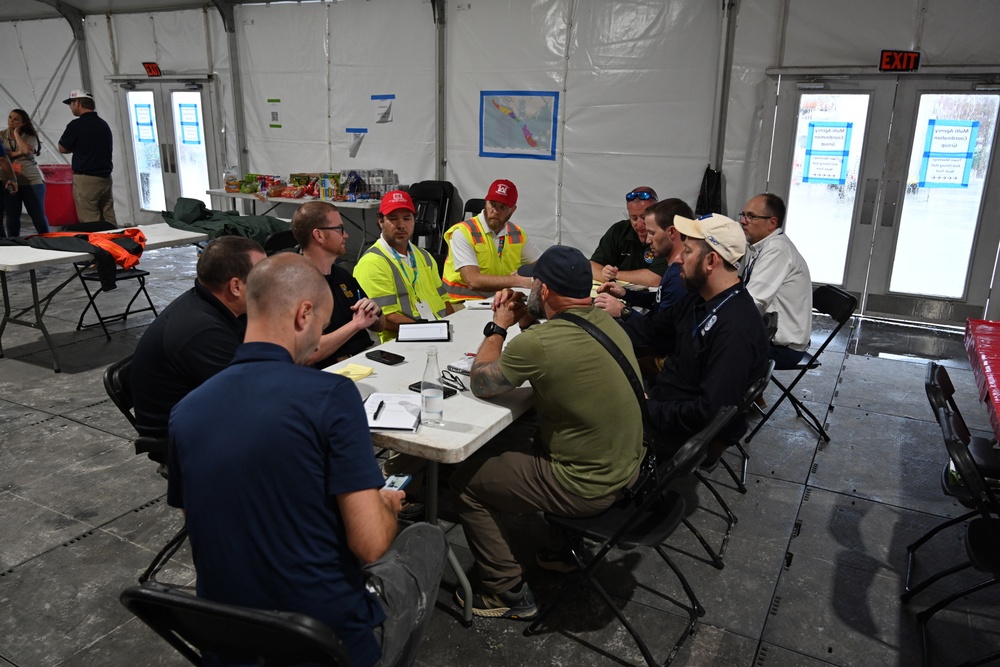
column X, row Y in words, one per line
column 424, row 332
column 394, row 412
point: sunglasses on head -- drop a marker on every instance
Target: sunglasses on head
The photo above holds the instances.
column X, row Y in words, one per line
column 632, row 196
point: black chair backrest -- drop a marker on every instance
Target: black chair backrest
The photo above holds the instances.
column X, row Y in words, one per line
column 278, row 241
column 452, row 202
column 771, row 324
column 756, row 390
column 956, row 439
column 473, row 207
column 835, row 302
column 693, row 452
column 195, row 626
column 118, row 384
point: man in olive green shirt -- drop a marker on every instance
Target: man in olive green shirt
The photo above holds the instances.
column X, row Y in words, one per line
column 589, row 445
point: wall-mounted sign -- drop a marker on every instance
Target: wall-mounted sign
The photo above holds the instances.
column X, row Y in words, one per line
column 828, row 145
column 152, row 69
column 899, row 61
column 948, row 152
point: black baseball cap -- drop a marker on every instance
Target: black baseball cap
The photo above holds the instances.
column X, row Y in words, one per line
column 564, row 269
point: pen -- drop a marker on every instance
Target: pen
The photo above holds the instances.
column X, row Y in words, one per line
column 378, row 410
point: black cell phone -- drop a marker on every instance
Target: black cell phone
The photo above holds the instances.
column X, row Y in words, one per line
column 384, row 357
column 448, row 391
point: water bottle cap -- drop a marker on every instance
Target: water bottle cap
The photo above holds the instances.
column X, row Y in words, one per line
column 432, row 349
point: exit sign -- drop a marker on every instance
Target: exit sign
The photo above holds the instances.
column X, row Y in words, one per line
column 899, row 61
column 152, row 69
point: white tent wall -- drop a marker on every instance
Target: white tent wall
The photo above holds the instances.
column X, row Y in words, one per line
column 117, row 44
column 818, row 34
column 324, row 62
column 636, row 82
column 39, row 67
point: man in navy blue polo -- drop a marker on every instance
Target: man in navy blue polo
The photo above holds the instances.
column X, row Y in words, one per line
column 272, row 462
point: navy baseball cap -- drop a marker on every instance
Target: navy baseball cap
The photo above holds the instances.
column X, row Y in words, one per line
column 564, row 269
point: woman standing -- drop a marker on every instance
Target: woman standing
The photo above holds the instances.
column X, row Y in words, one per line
column 22, row 144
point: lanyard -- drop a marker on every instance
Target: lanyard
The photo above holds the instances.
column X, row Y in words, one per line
column 413, row 263
column 710, row 319
column 500, row 243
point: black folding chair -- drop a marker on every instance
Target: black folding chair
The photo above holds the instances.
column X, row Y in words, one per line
column 940, row 392
column 646, row 521
column 984, row 451
column 87, row 272
column 839, row 305
column 195, row 627
column 118, row 384
column 982, row 534
column 432, row 204
column 473, row 207
column 279, row 242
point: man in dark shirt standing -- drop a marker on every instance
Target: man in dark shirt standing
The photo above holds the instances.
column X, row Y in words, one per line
column 194, row 337
column 89, row 139
column 714, row 338
column 319, row 231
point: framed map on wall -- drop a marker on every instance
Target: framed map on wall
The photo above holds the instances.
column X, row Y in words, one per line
column 518, row 124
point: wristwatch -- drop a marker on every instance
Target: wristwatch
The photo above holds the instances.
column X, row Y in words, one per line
column 494, row 328
column 626, row 312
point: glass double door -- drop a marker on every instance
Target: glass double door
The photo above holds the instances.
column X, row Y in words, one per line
column 889, row 187
column 171, row 146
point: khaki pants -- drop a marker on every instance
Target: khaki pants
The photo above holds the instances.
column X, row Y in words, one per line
column 92, row 195
column 519, row 481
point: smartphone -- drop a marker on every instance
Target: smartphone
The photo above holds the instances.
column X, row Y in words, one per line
column 384, row 357
column 397, row 482
column 448, row 391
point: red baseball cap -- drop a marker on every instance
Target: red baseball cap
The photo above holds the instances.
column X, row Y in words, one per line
column 504, row 192
column 394, row 200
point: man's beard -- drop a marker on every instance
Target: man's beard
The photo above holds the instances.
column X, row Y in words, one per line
column 534, row 303
column 695, row 282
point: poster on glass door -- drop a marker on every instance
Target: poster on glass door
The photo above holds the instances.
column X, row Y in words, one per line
column 948, row 149
column 828, row 145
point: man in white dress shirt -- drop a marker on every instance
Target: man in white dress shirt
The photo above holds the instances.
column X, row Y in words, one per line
column 777, row 277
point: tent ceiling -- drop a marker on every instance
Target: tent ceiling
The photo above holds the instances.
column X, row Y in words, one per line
column 46, row 9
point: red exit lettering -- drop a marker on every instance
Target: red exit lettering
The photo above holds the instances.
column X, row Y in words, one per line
column 899, row 61
column 152, row 69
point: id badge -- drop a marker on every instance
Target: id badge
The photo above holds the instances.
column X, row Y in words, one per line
column 424, row 310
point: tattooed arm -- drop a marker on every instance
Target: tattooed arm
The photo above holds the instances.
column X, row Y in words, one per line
column 487, row 378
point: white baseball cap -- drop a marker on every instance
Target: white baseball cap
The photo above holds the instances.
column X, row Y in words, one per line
column 78, row 95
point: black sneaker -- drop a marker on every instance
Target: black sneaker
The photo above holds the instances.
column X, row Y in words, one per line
column 412, row 512
column 556, row 561
column 517, row 603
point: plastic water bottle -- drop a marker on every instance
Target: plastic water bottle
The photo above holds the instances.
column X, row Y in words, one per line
column 432, row 391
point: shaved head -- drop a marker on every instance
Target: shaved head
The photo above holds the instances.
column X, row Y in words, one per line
column 279, row 283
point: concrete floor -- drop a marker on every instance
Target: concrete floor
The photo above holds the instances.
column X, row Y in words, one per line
column 812, row 574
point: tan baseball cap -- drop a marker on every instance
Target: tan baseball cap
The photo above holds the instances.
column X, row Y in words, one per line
column 724, row 235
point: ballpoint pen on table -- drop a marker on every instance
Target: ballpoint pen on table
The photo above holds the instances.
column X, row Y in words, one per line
column 378, row 410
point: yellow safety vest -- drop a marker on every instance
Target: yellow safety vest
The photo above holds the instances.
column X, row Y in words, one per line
column 406, row 293
column 491, row 262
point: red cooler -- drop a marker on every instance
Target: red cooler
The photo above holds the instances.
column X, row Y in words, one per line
column 59, row 206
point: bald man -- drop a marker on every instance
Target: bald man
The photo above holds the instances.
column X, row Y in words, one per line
column 273, row 464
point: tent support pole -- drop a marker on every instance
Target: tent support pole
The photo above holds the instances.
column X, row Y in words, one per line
column 74, row 17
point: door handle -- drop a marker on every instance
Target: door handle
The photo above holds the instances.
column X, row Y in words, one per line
column 163, row 159
column 889, row 207
column 173, row 159
column 868, row 200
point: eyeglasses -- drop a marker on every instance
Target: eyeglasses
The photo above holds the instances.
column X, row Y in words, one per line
column 338, row 228
column 452, row 381
column 749, row 217
column 642, row 195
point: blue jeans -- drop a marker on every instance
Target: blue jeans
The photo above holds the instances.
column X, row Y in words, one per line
column 32, row 197
column 406, row 579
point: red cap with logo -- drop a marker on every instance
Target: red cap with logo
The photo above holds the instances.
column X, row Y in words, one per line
column 395, row 199
column 504, row 192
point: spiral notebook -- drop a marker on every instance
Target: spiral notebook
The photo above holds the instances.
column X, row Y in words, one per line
column 393, row 412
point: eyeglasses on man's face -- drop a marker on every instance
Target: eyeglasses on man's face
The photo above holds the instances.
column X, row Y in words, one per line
column 750, row 217
column 640, row 195
column 338, row 228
